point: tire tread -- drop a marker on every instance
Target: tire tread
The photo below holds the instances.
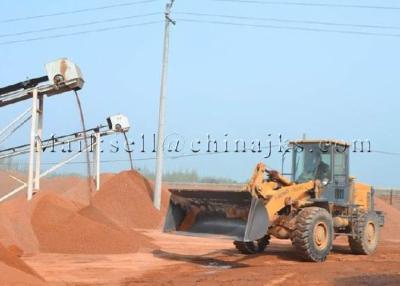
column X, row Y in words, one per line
column 301, row 234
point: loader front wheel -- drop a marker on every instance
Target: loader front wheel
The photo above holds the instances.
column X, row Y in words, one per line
column 252, row 247
column 313, row 234
column 367, row 231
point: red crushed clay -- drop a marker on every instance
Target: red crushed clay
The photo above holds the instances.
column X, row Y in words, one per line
column 126, row 199
column 61, row 229
column 60, row 220
column 77, row 189
column 105, row 177
column 7, row 183
column 15, row 222
column 15, row 250
column 99, row 217
column 79, row 193
column 15, row 225
column 11, row 260
column 59, row 183
column 14, row 277
column 391, row 229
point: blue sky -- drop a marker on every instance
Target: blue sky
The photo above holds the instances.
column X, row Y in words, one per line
column 245, row 81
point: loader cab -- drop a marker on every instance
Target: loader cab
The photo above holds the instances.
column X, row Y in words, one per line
column 324, row 160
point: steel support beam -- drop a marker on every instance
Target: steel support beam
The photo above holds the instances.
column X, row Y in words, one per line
column 38, row 151
column 96, row 159
column 33, row 135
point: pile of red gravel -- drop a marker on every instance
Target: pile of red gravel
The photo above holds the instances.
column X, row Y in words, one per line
column 126, row 199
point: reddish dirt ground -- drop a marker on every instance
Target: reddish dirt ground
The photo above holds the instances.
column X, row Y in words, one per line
column 59, row 238
column 203, row 261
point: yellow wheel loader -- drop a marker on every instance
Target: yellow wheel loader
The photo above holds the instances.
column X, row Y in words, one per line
column 318, row 203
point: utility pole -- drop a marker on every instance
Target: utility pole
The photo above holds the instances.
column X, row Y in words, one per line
column 163, row 92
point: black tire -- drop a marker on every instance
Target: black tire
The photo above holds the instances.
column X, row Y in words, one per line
column 313, row 234
column 367, row 230
column 252, row 247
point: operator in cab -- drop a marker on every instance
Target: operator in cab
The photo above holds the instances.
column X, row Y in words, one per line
column 314, row 168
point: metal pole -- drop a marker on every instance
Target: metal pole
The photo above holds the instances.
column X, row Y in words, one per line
column 32, row 143
column 163, row 92
column 96, row 160
column 129, row 150
column 38, row 153
column 391, row 197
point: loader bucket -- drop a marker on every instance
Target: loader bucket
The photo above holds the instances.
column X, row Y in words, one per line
column 234, row 214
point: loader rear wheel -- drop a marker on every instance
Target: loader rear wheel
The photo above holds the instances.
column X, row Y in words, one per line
column 367, row 231
column 313, row 234
column 252, row 247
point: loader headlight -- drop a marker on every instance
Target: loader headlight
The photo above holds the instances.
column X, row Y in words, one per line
column 325, row 181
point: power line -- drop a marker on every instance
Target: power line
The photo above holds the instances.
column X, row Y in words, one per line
column 244, row 150
column 199, row 14
column 80, row 33
column 198, row 21
column 189, row 155
column 386, row 152
column 290, row 21
column 79, row 25
column 290, row 28
column 77, row 11
column 127, row 160
column 331, row 5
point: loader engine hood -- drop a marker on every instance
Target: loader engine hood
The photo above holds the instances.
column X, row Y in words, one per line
column 234, row 214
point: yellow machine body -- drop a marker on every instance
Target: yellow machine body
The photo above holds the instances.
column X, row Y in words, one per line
column 273, row 205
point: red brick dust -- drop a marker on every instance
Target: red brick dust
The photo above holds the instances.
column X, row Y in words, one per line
column 74, row 188
column 126, row 199
column 60, row 184
column 11, row 260
column 94, row 214
column 15, row 250
column 7, row 183
column 15, row 225
column 11, row 276
column 60, row 228
column 391, row 229
column 60, row 220
column 80, row 193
